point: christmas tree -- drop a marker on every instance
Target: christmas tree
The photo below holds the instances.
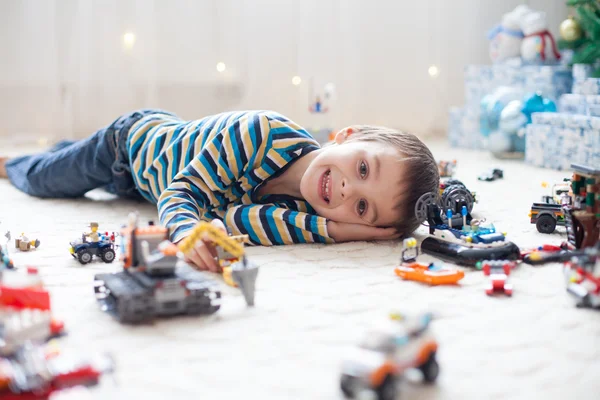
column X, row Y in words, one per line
column 582, row 34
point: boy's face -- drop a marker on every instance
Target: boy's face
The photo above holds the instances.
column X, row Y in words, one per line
column 355, row 182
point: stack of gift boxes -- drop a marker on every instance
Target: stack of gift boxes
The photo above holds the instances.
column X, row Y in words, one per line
column 480, row 80
column 555, row 140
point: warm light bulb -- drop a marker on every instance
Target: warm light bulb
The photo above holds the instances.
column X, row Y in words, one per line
column 221, row 66
column 296, row 80
column 42, row 141
column 128, row 40
column 433, row 71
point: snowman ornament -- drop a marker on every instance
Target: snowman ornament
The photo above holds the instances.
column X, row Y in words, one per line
column 538, row 44
column 505, row 39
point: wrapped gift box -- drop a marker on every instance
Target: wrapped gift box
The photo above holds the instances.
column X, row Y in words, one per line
column 589, row 86
column 463, row 130
column 579, row 104
column 555, row 140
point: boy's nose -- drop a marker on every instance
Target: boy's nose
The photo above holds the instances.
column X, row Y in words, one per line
column 346, row 190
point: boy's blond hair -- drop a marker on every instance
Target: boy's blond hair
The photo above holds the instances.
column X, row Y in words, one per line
column 420, row 170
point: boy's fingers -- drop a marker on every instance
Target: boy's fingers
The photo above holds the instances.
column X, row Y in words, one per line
column 192, row 258
column 219, row 224
column 202, row 251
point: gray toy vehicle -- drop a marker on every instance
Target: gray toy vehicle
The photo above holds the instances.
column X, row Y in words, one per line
column 155, row 283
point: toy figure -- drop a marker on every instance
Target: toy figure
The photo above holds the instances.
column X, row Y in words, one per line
column 410, row 250
column 93, row 235
column 24, row 244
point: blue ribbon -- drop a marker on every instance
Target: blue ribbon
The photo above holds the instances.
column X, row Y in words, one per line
column 499, row 28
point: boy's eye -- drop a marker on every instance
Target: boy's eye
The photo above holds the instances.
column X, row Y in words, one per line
column 363, row 169
column 362, row 207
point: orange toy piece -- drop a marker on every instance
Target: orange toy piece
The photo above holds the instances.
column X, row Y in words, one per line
column 429, row 274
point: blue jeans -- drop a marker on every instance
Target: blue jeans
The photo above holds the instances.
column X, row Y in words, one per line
column 72, row 168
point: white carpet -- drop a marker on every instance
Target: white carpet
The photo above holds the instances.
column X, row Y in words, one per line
column 313, row 301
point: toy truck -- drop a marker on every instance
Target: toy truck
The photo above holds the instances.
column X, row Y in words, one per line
column 84, row 250
column 549, row 213
column 387, row 351
column 154, row 280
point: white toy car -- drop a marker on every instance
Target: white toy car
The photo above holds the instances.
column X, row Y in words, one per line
column 376, row 365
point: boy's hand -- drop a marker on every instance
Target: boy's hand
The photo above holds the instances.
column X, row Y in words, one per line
column 346, row 232
column 203, row 255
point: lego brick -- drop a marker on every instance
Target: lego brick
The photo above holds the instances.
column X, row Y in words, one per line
column 556, row 147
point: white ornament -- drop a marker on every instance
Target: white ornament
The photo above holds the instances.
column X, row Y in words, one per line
column 538, row 44
column 506, row 38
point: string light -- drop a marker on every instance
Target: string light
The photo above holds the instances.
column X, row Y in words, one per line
column 221, row 66
column 296, row 80
column 128, row 40
column 433, row 71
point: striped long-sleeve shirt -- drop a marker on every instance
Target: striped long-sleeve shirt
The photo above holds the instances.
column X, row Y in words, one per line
column 212, row 168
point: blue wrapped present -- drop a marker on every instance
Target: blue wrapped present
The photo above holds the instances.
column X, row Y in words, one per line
column 579, row 104
column 582, row 71
column 556, row 140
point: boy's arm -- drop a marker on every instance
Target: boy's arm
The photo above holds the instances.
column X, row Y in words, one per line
column 202, row 184
column 267, row 225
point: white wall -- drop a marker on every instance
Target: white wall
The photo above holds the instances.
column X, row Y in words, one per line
column 64, row 71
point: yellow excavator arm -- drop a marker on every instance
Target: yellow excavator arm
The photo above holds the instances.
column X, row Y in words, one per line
column 230, row 244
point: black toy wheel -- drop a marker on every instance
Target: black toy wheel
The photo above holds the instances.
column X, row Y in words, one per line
column 387, row 390
column 84, row 256
column 545, row 224
column 457, row 193
column 347, row 383
column 421, row 205
column 452, row 182
column 430, row 369
column 108, row 255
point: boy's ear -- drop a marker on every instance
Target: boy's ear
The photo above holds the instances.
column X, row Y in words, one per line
column 342, row 135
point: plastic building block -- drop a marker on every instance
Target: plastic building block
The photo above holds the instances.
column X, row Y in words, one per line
column 94, row 244
column 23, row 243
column 386, row 352
column 498, row 271
column 237, row 270
column 582, row 276
column 25, row 312
column 469, row 255
column 431, row 274
column 154, row 280
column 37, row 372
column 582, row 217
column 491, row 175
column 446, row 168
column 410, row 250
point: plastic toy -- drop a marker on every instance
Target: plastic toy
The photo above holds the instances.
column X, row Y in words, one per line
column 491, row 175
column 387, row 351
column 549, row 213
column 237, row 270
column 94, row 244
column 455, row 235
column 446, row 168
column 431, row 274
column 37, row 372
column 582, row 218
column 582, row 276
column 25, row 312
column 24, row 244
column 410, row 250
column 498, row 271
column 154, row 281
column 5, row 261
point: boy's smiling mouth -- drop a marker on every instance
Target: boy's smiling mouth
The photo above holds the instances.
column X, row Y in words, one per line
column 325, row 186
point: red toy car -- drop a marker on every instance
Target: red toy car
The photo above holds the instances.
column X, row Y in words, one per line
column 498, row 271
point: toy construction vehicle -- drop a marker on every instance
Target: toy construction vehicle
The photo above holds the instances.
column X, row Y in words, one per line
column 387, row 351
column 37, row 372
column 24, row 310
column 24, row 244
column 549, row 213
column 237, row 270
column 154, row 280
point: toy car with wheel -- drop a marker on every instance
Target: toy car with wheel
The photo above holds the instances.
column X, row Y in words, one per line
column 85, row 250
column 386, row 352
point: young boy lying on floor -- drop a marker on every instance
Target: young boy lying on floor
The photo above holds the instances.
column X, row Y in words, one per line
column 258, row 172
